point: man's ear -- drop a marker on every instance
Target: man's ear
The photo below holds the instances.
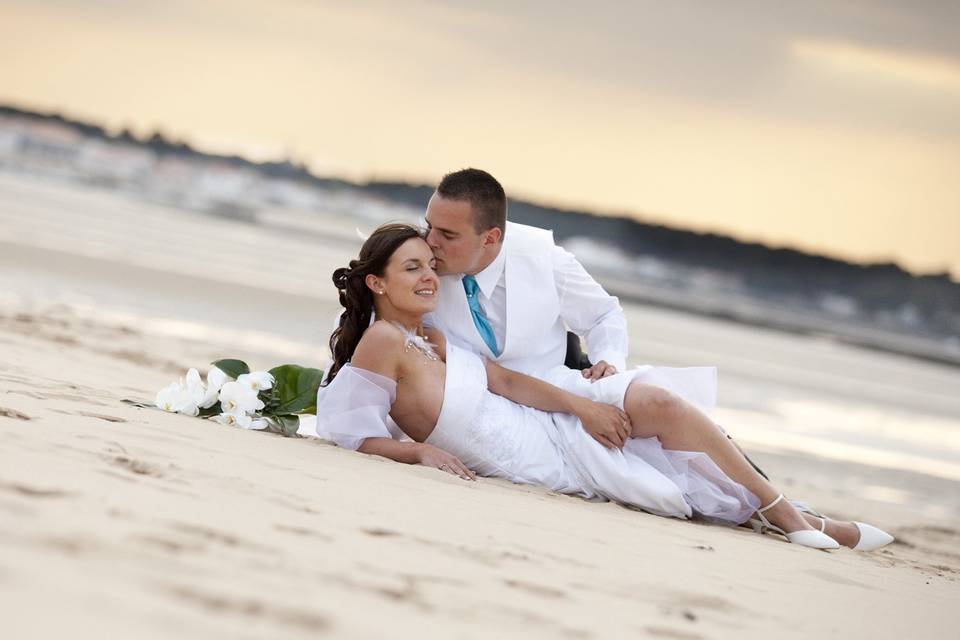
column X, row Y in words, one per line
column 493, row 236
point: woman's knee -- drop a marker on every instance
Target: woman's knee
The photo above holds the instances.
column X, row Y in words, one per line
column 647, row 402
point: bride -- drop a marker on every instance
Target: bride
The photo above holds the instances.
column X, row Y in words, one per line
column 467, row 416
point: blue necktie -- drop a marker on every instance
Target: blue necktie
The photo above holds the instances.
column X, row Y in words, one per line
column 479, row 317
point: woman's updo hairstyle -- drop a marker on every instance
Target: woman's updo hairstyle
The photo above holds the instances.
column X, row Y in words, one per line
column 355, row 295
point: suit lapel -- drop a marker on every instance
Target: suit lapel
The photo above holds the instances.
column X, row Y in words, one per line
column 453, row 301
column 511, row 301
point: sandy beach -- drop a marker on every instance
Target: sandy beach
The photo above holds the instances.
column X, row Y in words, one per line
column 117, row 519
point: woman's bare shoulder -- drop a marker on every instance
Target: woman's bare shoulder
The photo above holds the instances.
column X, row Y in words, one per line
column 379, row 349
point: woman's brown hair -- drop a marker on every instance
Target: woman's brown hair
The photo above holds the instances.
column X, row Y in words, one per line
column 355, row 296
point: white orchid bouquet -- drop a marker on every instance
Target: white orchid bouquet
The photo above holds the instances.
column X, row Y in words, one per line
column 235, row 396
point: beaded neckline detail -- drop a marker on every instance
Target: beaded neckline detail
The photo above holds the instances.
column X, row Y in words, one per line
column 415, row 342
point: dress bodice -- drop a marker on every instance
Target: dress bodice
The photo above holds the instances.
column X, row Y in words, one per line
column 493, row 435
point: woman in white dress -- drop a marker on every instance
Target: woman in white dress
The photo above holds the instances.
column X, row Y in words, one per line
column 466, row 416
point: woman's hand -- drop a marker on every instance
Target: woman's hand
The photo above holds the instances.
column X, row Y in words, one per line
column 607, row 424
column 430, row 456
column 600, row 370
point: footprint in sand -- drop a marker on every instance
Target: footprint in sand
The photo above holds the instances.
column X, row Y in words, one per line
column 138, row 467
column 663, row 632
column 13, row 413
column 71, row 546
column 182, row 537
column 168, row 544
column 837, row 579
column 7, row 377
column 247, row 608
column 218, row 537
column 90, row 414
column 58, row 396
column 377, row 532
column 302, row 531
column 33, row 492
column 705, row 601
column 536, row 589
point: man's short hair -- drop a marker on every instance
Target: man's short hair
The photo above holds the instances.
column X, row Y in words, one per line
column 485, row 195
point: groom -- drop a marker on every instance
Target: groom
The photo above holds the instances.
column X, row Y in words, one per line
column 509, row 293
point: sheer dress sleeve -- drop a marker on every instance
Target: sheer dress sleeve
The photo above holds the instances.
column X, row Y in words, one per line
column 354, row 407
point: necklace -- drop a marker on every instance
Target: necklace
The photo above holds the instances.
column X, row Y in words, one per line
column 417, row 342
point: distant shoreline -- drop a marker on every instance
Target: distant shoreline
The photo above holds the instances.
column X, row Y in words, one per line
column 876, row 340
column 879, row 306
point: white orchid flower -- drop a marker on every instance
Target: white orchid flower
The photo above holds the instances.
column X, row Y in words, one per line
column 167, row 397
column 210, row 398
column 194, row 386
column 177, row 398
column 241, row 420
column 229, row 419
column 232, row 419
column 225, row 418
column 258, row 380
column 239, row 398
column 216, row 378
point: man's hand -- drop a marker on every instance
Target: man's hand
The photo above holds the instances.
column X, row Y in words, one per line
column 605, row 423
column 600, row 370
column 430, row 456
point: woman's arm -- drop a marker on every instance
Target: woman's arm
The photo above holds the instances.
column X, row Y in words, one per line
column 607, row 424
column 416, row 453
column 379, row 351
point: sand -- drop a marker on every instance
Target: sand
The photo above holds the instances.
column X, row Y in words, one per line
column 116, row 519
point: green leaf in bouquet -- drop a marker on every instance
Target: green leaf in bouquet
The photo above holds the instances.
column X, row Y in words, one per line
column 139, row 404
column 288, row 424
column 233, row 368
column 295, row 388
column 215, row 410
column 269, row 399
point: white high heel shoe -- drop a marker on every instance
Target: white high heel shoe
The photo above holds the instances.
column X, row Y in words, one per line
column 805, row 537
column 871, row 538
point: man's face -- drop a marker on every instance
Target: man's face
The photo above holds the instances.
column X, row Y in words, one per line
column 457, row 247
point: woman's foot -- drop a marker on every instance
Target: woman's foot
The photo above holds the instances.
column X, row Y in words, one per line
column 854, row 535
column 785, row 516
column 782, row 517
column 846, row 533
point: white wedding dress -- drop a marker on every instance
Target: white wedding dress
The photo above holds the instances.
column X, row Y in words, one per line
column 496, row 437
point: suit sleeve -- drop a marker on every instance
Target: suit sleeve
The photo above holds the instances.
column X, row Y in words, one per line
column 589, row 311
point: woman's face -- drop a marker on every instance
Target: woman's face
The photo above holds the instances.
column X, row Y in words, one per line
column 409, row 282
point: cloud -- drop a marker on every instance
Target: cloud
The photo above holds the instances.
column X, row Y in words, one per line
column 919, row 70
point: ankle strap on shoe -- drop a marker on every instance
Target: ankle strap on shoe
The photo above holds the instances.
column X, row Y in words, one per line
column 771, row 505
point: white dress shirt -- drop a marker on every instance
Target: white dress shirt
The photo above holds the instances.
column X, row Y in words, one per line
column 585, row 307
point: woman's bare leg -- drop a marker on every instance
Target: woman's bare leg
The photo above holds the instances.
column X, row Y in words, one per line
column 679, row 425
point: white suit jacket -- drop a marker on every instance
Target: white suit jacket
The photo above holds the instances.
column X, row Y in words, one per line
column 547, row 291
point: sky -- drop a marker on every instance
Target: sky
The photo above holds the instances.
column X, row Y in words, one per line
column 831, row 126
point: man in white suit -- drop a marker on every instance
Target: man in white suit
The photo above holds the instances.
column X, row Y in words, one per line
column 509, row 293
